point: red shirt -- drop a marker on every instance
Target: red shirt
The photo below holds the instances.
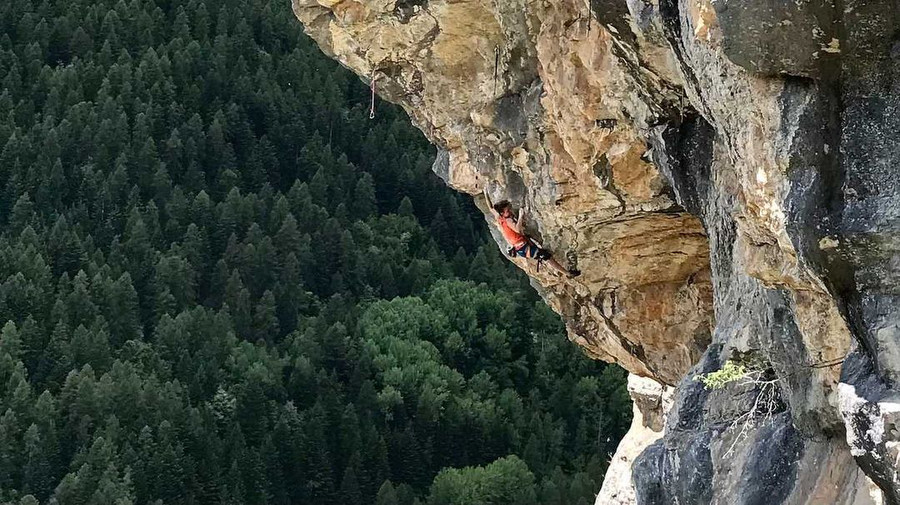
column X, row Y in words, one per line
column 514, row 238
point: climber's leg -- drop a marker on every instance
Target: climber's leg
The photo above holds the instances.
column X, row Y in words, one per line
column 545, row 256
column 561, row 269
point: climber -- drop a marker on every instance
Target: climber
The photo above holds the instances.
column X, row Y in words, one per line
column 520, row 244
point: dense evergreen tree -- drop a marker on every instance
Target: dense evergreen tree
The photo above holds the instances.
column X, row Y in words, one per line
column 220, row 282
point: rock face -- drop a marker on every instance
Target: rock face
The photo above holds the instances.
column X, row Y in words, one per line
column 652, row 402
column 724, row 175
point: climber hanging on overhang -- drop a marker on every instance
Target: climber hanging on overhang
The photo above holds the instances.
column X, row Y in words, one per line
column 513, row 229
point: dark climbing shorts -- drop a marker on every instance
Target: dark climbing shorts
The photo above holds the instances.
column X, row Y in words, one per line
column 533, row 251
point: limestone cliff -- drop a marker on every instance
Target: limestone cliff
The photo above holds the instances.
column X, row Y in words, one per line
column 724, row 174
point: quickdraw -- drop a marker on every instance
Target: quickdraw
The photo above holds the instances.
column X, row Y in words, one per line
column 496, row 66
column 372, row 106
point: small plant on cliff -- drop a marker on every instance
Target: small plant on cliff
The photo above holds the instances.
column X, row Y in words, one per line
column 729, row 373
column 766, row 399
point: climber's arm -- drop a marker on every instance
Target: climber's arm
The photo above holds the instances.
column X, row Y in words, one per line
column 520, row 223
column 490, row 204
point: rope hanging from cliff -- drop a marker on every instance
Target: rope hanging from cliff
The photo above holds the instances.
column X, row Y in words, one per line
column 590, row 15
column 496, row 66
column 372, row 106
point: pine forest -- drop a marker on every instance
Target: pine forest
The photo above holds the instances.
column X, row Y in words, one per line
column 222, row 283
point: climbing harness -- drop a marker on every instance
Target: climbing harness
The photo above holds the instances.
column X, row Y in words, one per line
column 541, row 255
column 372, row 106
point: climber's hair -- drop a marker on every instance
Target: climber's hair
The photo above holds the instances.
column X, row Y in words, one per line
column 501, row 206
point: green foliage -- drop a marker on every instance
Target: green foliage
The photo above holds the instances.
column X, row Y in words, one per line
column 729, row 373
column 221, row 282
column 504, row 481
